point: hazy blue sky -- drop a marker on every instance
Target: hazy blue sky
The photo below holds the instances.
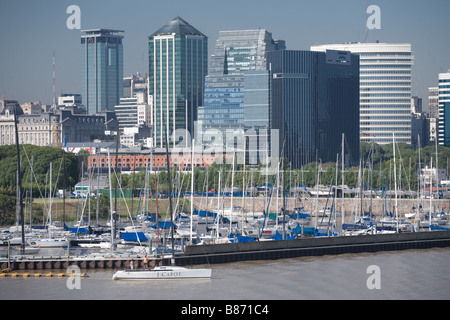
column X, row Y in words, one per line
column 31, row 30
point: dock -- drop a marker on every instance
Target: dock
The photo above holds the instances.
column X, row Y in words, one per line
column 246, row 251
column 84, row 263
column 307, row 247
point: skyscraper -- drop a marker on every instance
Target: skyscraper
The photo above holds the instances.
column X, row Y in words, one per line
column 178, row 64
column 102, row 75
column 314, row 101
column 238, row 51
column 237, row 90
column 444, row 110
column 385, row 89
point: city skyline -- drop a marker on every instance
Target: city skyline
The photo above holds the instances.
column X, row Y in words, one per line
column 32, row 30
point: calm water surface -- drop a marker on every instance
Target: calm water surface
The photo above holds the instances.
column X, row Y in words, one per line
column 411, row 274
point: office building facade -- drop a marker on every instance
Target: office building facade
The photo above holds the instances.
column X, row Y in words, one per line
column 314, row 103
column 178, row 64
column 444, row 110
column 237, row 92
column 385, row 89
column 102, row 74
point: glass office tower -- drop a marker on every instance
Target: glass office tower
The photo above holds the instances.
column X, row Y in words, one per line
column 385, row 89
column 444, row 109
column 102, row 75
column 237, row 92
column 178, row 64
column 223, row 107
column 314, row 101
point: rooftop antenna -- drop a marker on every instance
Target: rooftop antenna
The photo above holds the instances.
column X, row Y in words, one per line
column 365, row 23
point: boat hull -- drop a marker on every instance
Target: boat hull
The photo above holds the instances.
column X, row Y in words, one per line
column 52, row 243
column 163, row 273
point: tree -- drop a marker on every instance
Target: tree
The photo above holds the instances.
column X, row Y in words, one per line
column 39, row 158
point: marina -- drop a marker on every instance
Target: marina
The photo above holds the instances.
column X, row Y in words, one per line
column 224, row 226
column 209, row 254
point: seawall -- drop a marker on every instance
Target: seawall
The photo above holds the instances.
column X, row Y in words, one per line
column 256, row 250
column 270, row 250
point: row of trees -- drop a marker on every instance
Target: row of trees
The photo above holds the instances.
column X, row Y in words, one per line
column 381, row 176
column 39, row 159
column 35, row 167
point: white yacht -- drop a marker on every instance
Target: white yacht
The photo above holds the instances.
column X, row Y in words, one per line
column 163, row 273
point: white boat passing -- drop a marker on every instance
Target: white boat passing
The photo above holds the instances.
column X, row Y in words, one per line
column 163, row 273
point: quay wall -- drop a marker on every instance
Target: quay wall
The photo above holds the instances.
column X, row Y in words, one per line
column 256, row 250
column 83, row 264
column 270, row 250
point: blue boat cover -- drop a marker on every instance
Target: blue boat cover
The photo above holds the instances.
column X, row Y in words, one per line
column 300, row 215
column 163, row 224
column 204, row 213
column 238, row 238
column 309, row 231
column 433, row 227
column 133, row 236
column 297, row 229
column 79, row 230
column 279, row 236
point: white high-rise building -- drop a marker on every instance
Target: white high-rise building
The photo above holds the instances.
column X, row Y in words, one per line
column 444, row 109
column 385, row 89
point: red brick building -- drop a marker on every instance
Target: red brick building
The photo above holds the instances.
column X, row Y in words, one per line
column 141, row 159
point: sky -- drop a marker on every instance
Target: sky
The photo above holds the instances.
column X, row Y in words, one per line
column 31, row 30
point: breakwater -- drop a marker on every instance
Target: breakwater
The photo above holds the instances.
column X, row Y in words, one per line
column 86, row 263
column 257, row 250
column 271, row 250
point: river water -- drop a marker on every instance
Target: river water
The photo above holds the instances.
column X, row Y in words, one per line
column 404, row 275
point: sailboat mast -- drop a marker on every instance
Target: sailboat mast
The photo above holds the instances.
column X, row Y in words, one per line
column 19, row 182
column 170, row 191
column 111, row 202
column 395, row 180
column 50, row 195
column 31, row 189
column 243, row 190
column 192, row 188
column 218, row 209
column 437, row 172
column 342, row 173
column 232, row 191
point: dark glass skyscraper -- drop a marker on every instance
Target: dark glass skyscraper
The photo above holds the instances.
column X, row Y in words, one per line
column 314, row 100
column 102, row 75
column 178, row 64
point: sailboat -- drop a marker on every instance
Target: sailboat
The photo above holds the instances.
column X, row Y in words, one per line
column 165, row 272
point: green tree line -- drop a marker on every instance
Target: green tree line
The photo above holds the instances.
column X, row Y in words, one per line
column 35, row 172
column 380, row 176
